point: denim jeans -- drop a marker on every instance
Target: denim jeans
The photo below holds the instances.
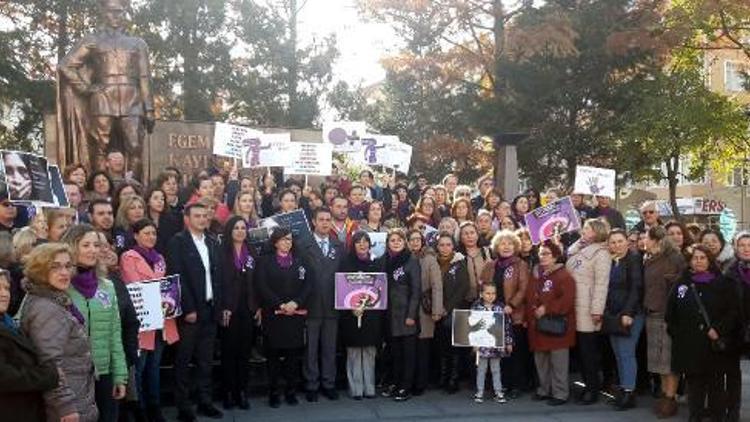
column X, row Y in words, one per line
column 624, row 348
column 147, row 373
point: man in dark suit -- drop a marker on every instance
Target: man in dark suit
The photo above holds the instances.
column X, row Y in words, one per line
column 195, row 256
column 321, row 254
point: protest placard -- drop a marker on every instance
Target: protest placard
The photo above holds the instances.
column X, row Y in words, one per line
column 228, row 139
column 595, row 181
column 59, row 197
column 377, row 244
column 171, row 296
column 478, row 329
column 27, row 177
column 294, row 221
column 310, row 159
column 344, row 136
column 146, row 298
column 557, row 217
column 366, row 291
column 397, row 155
column 267, row 150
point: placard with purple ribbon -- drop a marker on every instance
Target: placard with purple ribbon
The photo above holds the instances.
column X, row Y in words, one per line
column 361, row 291
column 554, row 218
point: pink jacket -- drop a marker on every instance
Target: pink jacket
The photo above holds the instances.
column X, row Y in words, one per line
column 134, row 268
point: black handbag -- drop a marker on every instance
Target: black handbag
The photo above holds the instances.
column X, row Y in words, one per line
column 552, row 325
column 612, row 325
column 720, row 344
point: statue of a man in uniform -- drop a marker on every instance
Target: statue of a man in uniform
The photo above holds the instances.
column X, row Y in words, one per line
column 105, row 100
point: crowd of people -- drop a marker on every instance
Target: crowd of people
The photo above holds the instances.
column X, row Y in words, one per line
column 661, row 309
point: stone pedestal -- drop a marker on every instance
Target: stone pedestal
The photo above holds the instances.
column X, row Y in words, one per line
column 506, row 162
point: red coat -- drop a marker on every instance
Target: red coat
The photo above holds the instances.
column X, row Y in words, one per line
column 557, row 293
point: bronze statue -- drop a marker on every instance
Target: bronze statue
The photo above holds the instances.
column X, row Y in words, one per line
column 104, row 95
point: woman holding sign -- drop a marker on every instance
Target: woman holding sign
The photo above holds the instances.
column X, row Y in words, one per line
column 361, row 331
column 283, row 286
column 142, row 263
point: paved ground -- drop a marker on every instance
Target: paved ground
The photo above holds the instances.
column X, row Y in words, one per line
column 435, row 406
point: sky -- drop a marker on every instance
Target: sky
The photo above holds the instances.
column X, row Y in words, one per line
column 361, row 44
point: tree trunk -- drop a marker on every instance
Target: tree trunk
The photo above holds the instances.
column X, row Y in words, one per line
column 673, row 170
column 498, row 29
column 293, row 71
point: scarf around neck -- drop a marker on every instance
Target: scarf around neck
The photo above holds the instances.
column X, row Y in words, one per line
column 151, row 256
column 85, row 282
column 284, row 261
column 9, row 323
column 57, row 296
column 240, row 259
column 703, row 277
column 743, row 268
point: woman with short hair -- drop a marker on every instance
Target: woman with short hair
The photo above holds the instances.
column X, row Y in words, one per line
column 714, row 240
column 131, row 210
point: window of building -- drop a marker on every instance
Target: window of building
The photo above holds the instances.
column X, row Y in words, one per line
column 734, row 76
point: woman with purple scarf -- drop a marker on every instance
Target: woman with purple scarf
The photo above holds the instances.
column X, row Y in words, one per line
column 96, row 298
column 141, row 263
column 702, row 318
column 739, row 273
column 240, row 305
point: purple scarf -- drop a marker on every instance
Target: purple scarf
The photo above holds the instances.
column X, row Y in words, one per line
column 151, row 256
column 240, row 259
column 284, row 261
column 703, row 277
column 503, row 263
column 743, row 267
column 76, row 313
column 85, row 282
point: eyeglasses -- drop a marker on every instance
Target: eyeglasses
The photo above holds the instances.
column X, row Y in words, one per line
column 57, row 267
column 649, row 212
column 542, row 253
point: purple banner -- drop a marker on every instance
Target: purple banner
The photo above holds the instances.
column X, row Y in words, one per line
column 170, row 296
column 555, row 218
column 361, row 291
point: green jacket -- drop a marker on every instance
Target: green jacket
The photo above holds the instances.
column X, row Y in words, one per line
column 102, row 317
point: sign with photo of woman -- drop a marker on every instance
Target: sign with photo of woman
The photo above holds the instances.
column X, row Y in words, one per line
column 27, row 177
column 478, row 329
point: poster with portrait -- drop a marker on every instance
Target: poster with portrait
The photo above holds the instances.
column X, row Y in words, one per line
column 377, row 244
column 478, row 329
column 294, row 221
column 595, row 181
column 267, row 150
column 171, row 296
column 229, row 139
column 59, row 197
column 365, row 291
column 27, row 177
column 344, row 136
column 557, row 217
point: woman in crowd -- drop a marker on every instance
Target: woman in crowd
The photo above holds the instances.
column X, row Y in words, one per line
column 76, row 173
column 99, row 186
column 168, row 183
column 509, row 223
column 123, row 192
column 23, row 378
column 484, row 226
column 374, row 222
column 96, row 298
column 426, row 207
column 519, row 207
column 510, row 274
column 131, row 210
column 461, row 210
column 589, row 263
column 57, row 330
column 288, row 201
column 714, row 240
column 442, row 201
column 476, row 257
column 450, row 226
column 499, row 213
column 663, row 265
column 144, row 262
column 702, row 316
column 431, row 305
column 240, row 305
column 528, row 250
column 455, row 287
column 492, row 199
column 402, row 204
column 282, row 287
column 680, row 236
column 623, row 314
column 58, row 222
column 167, row 225
column 244, row 207
column 739, row 274
column 535, row 199
column 404, row 288
column 361, row 331
column 551, row 319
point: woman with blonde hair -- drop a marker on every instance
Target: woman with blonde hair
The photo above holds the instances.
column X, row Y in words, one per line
column 589, row 263
column 461, row 210
column 56, row 327
column 58, row 222
column 24, row 241
column 96, row 298
column 131, row 209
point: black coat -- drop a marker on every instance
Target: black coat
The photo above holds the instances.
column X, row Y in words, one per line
column 276, row 286
column 183, row 259
column 22, row 379
column 625, row 293
column 404, row 293
column 371, row 331
column 743, row 294
column 239, row 289
column 456, row 285
column 691, row 347
column 128, row 321
column 320, row 303
column 169, row 225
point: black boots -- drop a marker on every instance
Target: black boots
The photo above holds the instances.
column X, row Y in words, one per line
column 625, row 401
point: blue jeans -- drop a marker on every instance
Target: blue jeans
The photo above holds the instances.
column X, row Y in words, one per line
column 624, row 349
column 147, row 373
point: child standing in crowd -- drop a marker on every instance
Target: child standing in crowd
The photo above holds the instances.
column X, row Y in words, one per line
column 488, row 356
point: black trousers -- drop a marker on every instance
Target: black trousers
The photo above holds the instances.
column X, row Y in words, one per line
column 404, row 352
column 589, row 360
column 196, row 344
column 450, row 357
column 236, row 342
column 517, row 373
column 286, row 364
column 105, row 402
column 707, row 385
column 424, row 347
